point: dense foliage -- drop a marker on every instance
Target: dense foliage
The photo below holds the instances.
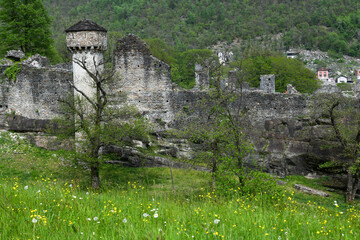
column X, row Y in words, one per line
column 26, row 26
column 327, row 25
column 182, row 63
column 287, row 71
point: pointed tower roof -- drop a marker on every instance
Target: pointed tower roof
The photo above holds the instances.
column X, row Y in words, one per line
column 86, row 25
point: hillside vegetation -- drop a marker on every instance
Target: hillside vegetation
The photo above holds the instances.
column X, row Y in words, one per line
column 330, row 25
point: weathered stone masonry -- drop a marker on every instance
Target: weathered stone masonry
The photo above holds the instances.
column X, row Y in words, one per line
column 144, row 78
column 28, row 103
column 286, row 141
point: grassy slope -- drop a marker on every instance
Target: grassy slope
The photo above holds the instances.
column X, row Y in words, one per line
column 36, row 187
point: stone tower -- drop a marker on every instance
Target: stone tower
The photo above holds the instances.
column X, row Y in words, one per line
column 87, row 42
column 267, row 83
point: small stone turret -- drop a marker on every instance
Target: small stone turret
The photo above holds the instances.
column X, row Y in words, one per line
column 202, row 80
column 87, row 42
column 85, row 35
column 267, row 83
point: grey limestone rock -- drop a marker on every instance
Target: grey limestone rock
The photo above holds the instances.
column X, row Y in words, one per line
column 15, row 55
column 37, row 61
column 311, row 191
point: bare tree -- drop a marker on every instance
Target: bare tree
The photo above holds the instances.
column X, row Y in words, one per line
column 95, row 121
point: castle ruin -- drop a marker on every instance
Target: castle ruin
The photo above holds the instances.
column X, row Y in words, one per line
column 285, row 142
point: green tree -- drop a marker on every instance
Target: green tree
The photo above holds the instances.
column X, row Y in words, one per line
column 287, row 71
column 183, row 72
column 98, row 120
column 162, row 51
column 216, row 126
column 25, row 25
column 344, row 116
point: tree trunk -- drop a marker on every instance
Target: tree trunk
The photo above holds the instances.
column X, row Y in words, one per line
column 95, row 180
column 214, row 169
column 213, row 187
column 352, row 187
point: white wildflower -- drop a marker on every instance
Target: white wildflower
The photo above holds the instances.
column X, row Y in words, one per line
column 38, row 191
column 96, row 218
column 34, row 220
column 216, row 221
column 146, row 215
column 70, row 185
column 124, row 220
column 87, row 193
column 26, row 187
column 74, row 196
column 89, row 219
column 156, row 215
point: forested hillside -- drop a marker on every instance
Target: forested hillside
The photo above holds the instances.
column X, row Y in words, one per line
column 313, row 24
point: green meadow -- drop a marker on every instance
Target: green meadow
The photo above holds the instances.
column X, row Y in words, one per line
column 43, row 195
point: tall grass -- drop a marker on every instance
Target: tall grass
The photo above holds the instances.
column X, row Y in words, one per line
column 43, row 202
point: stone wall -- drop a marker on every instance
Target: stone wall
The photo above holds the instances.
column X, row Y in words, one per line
column 29, row 102
column 285, row 139
column 145, row 79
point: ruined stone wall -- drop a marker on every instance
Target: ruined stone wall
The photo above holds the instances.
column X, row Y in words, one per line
column 28, row 103
column 285, row 139
column 145, row 79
